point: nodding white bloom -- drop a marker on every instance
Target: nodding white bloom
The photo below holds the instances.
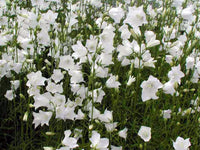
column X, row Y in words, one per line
column 57, row 75
column 91, row 44
column 168, row 88
column 136, row 16
column 79, row 51
column 148, row 61
column 176, row 74
column 145, row 133
column 125, row 33
column 101, row 71
column 98, row 95
column 69, row 141
column 187, row 13
column 123, row 133
column 181, row 144
column 151, row 39
column 166, row 113
column 125, row 49
column 106, row 38
column 110, row 127
column 41, row 118
column 15, row 84
column 10, row 95
column 107, row 116
column 106, row 59
column 97, row 142
column 116, row 14
column 150, row 88
column 190, row 62
column 112, row 82
column 35, row 79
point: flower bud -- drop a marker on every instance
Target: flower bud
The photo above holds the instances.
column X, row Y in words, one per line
column 25, row 118
column 50, row 133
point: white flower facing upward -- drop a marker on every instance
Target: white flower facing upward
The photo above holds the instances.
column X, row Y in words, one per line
column 116, row 14
column 35, row 79
column 97, row 142
column 181, row 144
column 66, row 62
column 136, row 16
column 150, row 88
column 145, row 133
column 176, row 74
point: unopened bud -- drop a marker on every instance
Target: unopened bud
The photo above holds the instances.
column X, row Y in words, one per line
column 91, row 127
column 50, row 133
column 25, row 118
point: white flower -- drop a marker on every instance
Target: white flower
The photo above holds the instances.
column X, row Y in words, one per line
column 150, row 88
column 116, row 14
column 125, row 33
column 42, row 100
column 136, row 16
column 15, row 84
column 54, row 88
column 106, row 39
column 176, row 74
column 181, row 144
column 66, row 62
column 112, row 83
column 41, row 118
column 166, row 113
column 49, row 17
column 145, row 133
column 10, row 95
column 105, row 59
column 151, row 39
column 79, row 51
column 131, row 80
column 123, row 133
column 91, row 44
column 35, row 79
column 106, row 116
column 187, row 13
column 125, row 49
column 190, row 62
column 97, row 142
column 57, row 75
column 76, row 76
column 69, row 141
column 168, row 88
column 110, row 126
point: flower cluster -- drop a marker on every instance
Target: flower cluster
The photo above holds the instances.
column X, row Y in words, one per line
column 96, row 72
